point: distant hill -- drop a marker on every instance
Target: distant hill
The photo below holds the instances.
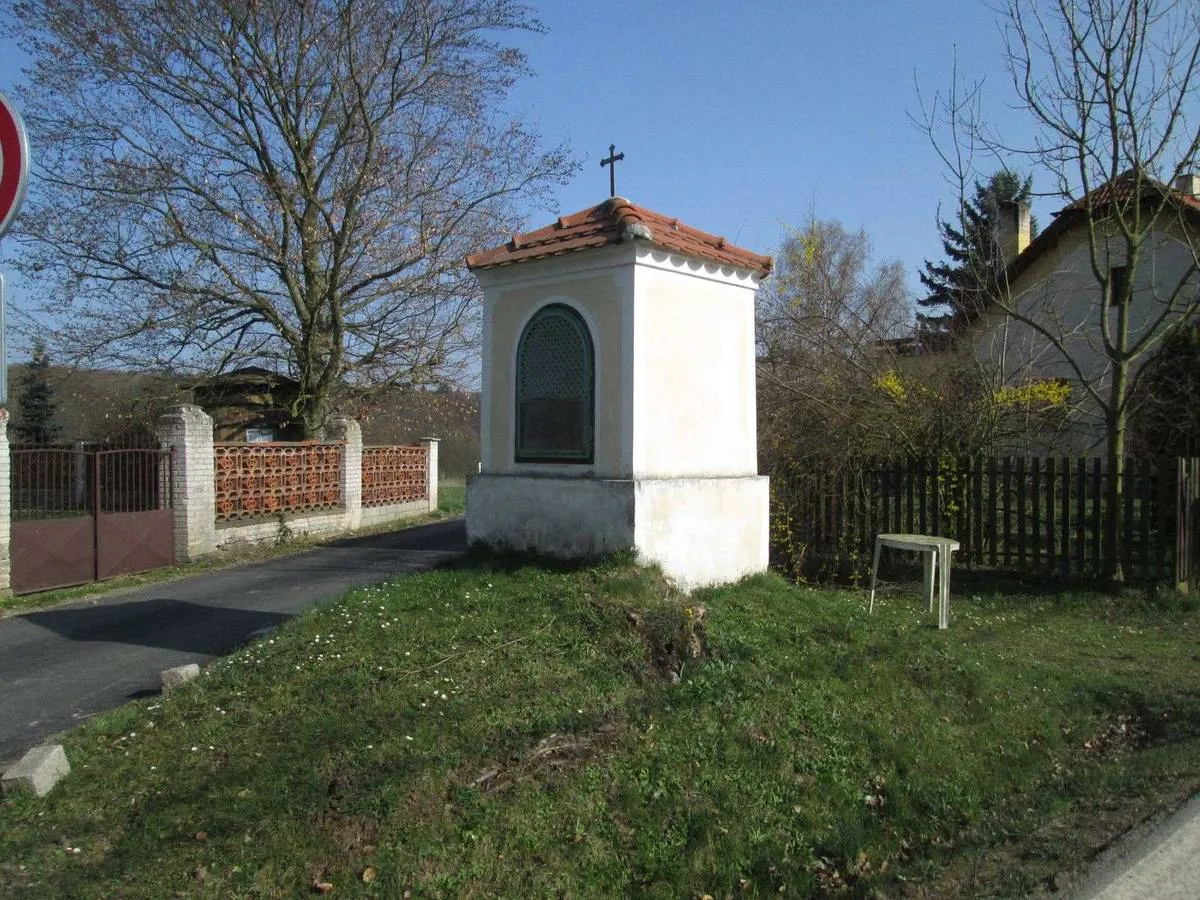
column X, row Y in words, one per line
column 401, row 417
column 113, row 406
column 101, row 405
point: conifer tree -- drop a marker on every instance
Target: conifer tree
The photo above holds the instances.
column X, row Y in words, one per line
column 971, row 273
column 37, row 401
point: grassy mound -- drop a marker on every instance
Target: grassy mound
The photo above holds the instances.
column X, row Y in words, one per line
column 526, row 732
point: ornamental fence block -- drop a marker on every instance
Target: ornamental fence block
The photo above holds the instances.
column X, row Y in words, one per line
column 256, row 480
column 394, row 474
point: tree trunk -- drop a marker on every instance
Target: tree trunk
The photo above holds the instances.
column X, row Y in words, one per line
column 1116, row 422
column 314, row 414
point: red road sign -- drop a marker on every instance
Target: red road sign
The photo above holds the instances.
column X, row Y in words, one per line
column 14, row 163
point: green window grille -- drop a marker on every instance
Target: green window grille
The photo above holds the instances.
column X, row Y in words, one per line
column 556, row 377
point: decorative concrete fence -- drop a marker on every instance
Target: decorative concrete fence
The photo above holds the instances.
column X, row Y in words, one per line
column 255, row 480
column 396, row 477
column 228, row 494
column 219, row 495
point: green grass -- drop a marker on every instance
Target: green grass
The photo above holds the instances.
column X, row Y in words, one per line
column 501, row 730
column 452, row 497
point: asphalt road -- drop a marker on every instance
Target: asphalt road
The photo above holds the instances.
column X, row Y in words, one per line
column 1158, row 862
column 59, row 666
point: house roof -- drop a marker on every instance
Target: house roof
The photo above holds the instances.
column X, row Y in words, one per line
column 613, row 222
column 247, row 376
column 1121, row 190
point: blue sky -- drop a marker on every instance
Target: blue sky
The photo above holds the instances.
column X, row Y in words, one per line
column 742, row 118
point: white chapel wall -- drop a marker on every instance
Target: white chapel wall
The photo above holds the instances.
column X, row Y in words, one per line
column 694, row 406
column 601, row 301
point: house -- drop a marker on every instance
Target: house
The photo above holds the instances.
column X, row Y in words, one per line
column 249, row 404
column 1070, row 294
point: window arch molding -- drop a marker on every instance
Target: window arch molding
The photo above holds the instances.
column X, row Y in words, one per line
column 555, row 387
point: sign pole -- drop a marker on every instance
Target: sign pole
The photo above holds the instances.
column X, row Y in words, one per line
column 3, row 346
column 14, row 178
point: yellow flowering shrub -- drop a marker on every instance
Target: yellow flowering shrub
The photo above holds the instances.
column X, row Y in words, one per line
column 1051, row 392
column 890, row 383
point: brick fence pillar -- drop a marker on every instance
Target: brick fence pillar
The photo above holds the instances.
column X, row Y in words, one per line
column 5, row 509
column 348, row 430
column 189, row 430
column 431, row 471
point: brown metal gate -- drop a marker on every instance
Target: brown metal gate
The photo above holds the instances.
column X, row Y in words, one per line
column 81, row 514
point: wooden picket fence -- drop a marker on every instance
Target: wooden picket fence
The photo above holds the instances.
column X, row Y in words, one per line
column 1033, row 514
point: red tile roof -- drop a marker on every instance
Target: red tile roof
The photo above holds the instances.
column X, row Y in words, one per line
column 1121, row 190
column 613, row 222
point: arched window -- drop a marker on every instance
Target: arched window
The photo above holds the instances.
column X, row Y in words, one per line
column 555, row 388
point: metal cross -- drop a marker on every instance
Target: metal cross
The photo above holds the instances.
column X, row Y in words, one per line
column 611, row 162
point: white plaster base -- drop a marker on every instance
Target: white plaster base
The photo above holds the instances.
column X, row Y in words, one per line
column 701, row 531
column 555, row 516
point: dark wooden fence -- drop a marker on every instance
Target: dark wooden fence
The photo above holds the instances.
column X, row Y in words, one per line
column 1036, row 514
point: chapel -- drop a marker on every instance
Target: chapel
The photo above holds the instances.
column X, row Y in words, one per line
column 618, row 395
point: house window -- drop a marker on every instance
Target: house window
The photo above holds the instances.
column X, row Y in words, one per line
column 1118, row 284
column 555, row 388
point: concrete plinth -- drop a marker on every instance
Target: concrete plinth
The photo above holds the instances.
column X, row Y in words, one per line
column 38, row 771
column 701, row 531
column 178, row 676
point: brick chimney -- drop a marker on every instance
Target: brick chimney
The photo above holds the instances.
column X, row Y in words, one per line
column 1187, row 183
column 1012, row 228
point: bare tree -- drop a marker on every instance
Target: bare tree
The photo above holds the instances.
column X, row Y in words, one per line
column 821, row 319
column 1112, row 89
column 289, row 183
column 842, row 375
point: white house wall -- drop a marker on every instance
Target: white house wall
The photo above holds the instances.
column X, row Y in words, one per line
column 703, row 531
column 1065, row 298
column 558, row 516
